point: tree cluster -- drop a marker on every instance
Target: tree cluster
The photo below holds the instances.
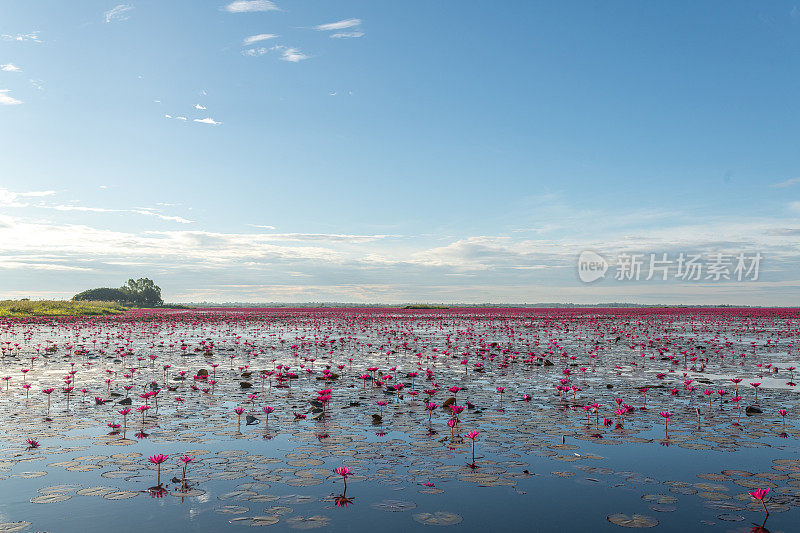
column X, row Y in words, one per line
column 141, row 293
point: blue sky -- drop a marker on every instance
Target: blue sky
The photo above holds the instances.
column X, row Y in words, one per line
column 396, row 151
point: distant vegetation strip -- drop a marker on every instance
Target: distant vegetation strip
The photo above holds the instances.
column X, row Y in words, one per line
column 23, row 308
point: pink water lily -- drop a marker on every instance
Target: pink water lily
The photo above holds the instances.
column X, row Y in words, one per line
column 185, row 459
column 158, row 460
column 472, row 435
column 759, row 495
column 343, row 471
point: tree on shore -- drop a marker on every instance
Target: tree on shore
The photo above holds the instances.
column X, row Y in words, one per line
column 141, row 292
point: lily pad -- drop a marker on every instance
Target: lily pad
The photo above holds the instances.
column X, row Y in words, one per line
column 439, row 518
column 636, row 520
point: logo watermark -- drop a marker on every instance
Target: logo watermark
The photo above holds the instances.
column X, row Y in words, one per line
column 663, row 266
column 591, row 266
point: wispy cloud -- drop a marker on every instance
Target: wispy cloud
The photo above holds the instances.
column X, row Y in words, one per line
column 787, row 183
column 170, row 218
column 198, row 106
column 293, row 55
column 175, row 118
column 27, row 265
column 341, row 25
column 255, row 52
column 119, row 13
column 9, row 67
column 21, row 37
column 249, row 6
column 320, row 237
column 347, row 35
column 138, row 211
column 261, row 227
column 395, row 267
column 11, row 198
column 17, row 199
column 7, row 99
column 207, row 121
column 258, row 38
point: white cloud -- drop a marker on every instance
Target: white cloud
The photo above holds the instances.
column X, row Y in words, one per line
column 347, row 35
column 175, row 118
column 21, row 37
column 119, row 13
column 254, row 52
column 261, row 227
column 293, row 55
column 146, row 211
column 198, row 106
column 207, row 121
column 341, row 25
column 248, row 6
column 787, row 183
column 258, row 38
column 9, row 67
column 80, row 208
column 37, row 194
column 11, row 198
column 321, row 237
column 10, row 265
column 198, row 248
column 7, row 99
column 795, row 206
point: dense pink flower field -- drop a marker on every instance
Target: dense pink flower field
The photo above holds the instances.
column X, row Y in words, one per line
column 351, row 405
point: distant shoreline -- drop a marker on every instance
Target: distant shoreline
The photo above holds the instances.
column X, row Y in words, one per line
column 411, row 305
column 68, row 308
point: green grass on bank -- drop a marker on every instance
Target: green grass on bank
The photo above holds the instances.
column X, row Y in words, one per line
column 23, row 308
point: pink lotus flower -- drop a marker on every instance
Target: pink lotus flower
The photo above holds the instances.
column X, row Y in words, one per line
column 185, row 459
column 343, row 471
column 157, row 460
column 430, row 406
column 759, row 494
column 267, row 411
column 472, row 435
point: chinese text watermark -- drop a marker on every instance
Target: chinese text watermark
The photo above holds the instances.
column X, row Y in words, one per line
column 663, row 266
